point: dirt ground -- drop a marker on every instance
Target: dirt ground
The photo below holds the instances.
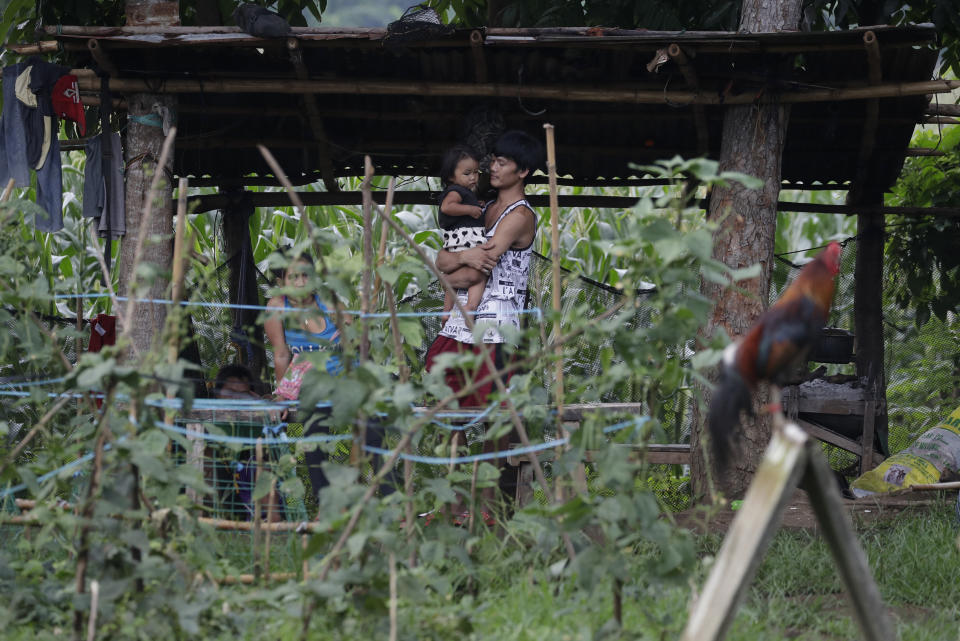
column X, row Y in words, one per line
column 798, row 513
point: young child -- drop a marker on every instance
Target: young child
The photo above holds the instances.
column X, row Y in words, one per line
column 461, row 215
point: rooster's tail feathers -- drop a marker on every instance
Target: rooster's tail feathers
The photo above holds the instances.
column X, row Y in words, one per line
column 729, row 397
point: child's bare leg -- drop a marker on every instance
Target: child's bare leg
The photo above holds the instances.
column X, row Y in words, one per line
column 474, row 294
column 447, row 306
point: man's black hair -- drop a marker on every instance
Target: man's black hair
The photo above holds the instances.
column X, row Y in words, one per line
column 452, row 158
column 521, row 148
column 233, row 371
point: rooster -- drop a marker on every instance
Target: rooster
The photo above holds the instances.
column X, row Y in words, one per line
column 779, row 340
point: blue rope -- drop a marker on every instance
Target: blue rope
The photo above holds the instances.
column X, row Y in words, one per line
column 327, row 438
column 86, row 458
column 487, row 456
column 460, row 428
column 149, row 120
column 243, row 440
column 48, row 381
column 357, row 313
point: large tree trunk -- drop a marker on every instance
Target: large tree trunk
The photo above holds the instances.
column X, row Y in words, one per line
column 753, row 138
column 143, row 143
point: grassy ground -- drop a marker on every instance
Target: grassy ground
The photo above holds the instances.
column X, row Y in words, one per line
column 796, row 595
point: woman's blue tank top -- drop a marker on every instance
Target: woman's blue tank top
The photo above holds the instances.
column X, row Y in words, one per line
column 299, row 341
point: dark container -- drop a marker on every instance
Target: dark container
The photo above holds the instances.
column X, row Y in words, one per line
column 835, row 346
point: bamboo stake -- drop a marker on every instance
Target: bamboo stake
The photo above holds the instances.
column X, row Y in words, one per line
column 367, row 284
column 271, row 499
column 257, row 525
column 94, row 605
column 393, row 596
column 248, row 579
column 360, row 426
column 404, row 375
column 305, row 566
column 473, row 497
column 558, row 395
column 510, row 91
column 384, row 232
column 173, row 315
column 8, row 190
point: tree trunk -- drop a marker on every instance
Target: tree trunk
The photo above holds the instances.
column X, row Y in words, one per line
column 752, row 143
column 143, row 143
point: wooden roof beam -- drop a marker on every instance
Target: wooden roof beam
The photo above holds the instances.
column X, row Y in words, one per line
column 90, row 83
column 313, row 199
column 313, row 115
column 699, row 113
column 102, row 58
column 869, row 136
column 479, row 56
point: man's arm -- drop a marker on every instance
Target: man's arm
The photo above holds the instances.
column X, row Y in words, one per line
column 516, row 229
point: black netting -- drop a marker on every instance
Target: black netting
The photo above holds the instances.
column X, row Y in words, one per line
column 417, row 23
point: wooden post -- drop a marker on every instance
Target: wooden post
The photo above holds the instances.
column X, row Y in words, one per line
column 868, row 608
column 748, row 537
column 868, row 308
column 790, row 455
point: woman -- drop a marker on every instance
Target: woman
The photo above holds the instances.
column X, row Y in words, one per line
column 293, row 334
column 301, row 325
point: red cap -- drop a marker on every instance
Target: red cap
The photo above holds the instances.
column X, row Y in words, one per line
column 66, row 101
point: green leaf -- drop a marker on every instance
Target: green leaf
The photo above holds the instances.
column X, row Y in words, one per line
column 262, row 487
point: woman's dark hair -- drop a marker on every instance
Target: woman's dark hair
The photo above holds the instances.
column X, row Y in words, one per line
column 233, row 371
column 288, row 256
column 452, row 158
column 521, row 148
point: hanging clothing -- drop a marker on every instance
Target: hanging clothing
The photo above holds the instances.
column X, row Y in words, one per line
column 28, row 140
column 103, row 331
column 108, row 209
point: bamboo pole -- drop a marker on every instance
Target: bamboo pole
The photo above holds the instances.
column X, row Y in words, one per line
column 271, row 501
column 392, row 562
column 179, row 269
column 272, row 199
column 257, row 525
column 8, row 190
column 367, row 284
column 510, row 91
column 305, row 565
column 249, row 579
column 558, row 396
column 384, row 232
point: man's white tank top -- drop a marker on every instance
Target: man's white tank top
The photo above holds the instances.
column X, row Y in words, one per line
column 504, row 295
